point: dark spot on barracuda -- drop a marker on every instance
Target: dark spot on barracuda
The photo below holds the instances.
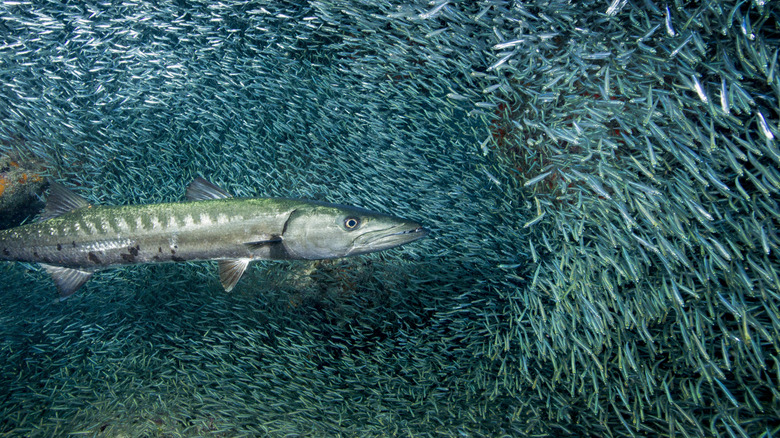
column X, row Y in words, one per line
column 59, row 247
column 73, row 243
column 129, row 258
column 173, row 251
column 178, row 259
column 159, row 249
column 134, row 250
column 92, row 257
column 6, row 252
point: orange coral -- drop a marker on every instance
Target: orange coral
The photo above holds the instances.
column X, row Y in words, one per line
column 25, row 178
column 3, row 184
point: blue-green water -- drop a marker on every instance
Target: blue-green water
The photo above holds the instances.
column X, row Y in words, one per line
column 600, row 179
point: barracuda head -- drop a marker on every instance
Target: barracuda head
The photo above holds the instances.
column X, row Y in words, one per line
column 322, row 231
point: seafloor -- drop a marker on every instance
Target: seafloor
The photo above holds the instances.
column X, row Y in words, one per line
column 600, row 177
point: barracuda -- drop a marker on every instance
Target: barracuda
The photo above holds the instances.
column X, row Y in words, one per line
column 74, row 239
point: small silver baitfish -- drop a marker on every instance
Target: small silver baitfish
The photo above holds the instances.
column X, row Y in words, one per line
column 74, row 239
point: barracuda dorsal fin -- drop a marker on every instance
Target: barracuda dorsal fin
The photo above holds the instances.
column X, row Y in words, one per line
column 230, row 271
column 67, row 280
column 202, row 190
column 60, row 201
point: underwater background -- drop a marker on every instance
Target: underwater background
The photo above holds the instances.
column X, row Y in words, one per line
column 600, row 177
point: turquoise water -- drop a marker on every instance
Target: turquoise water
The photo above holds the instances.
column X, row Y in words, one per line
column 600, row 180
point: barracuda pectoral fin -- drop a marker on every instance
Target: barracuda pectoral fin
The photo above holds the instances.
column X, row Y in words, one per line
column 60, row 201
column 68, row 280
column 273, row 248
column 230, row 271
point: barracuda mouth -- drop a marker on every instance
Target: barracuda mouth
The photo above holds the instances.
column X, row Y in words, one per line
column 419, row 232
column 388, row 238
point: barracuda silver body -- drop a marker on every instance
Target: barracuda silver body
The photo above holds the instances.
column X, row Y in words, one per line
column 75, row 239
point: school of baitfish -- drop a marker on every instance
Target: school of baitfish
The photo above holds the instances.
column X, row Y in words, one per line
column 600, row 179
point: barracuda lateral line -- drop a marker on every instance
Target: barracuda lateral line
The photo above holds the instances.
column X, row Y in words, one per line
column 74, row 239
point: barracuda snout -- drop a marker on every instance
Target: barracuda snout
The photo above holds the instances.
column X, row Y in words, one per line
column 322, row 231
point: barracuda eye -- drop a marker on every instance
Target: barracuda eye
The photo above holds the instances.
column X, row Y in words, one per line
column 351, row 223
